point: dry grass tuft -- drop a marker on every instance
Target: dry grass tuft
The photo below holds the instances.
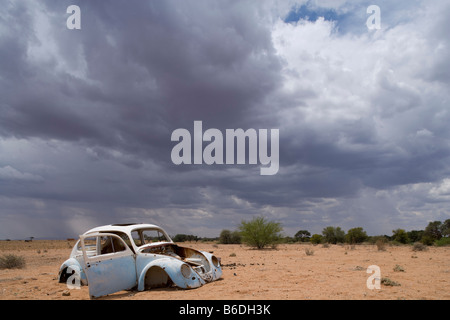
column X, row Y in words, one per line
column 12, row 261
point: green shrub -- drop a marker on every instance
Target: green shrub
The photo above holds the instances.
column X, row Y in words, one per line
column 303, row 235
column 433, row 231
column 333, row 235
column 442, row 242
column 400, row 236
column 356, row 235
column 427, row 240
column 228, row 237
column 11, row 261
column 259, row 232
column 316, row 239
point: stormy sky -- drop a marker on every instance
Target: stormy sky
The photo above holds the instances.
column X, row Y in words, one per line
column 86, row 116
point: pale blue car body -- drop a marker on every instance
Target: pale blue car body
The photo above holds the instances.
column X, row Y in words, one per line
column 136, row 267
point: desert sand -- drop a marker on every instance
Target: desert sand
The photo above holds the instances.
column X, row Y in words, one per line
column 337, row 272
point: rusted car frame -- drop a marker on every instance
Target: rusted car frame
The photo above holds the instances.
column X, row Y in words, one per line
column 136, row 256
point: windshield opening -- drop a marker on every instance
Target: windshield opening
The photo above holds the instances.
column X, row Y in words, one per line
column 147, row 236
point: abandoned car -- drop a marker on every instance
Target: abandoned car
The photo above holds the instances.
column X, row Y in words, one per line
column 135, row 256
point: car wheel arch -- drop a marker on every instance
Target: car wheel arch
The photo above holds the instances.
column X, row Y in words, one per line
column 75, row 266
column 146, row 271
column 172, row 268
column 155, row 277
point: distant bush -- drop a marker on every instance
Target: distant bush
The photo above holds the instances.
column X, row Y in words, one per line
column 259, row 232
column 442, row 242
column 415, row 235
column 356, row 235
column 333, row 235
column 303, row 236
column 185, row 237
column 11, row 261
column 419, row 247
column 374, row 239
column 288, row 240
column 400, row 236
column 427, row 240
column 228, row 237
column 433, row 231
column 445, row 228
column 381, row 244
column 316, row 239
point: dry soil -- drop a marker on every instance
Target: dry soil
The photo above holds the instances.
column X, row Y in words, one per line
column 286, row 273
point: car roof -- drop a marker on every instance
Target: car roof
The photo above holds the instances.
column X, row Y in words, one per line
column 127, row 228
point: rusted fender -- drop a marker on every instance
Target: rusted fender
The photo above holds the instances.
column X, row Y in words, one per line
column 173, row 269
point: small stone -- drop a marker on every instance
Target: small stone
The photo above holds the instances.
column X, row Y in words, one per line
column 66, row 293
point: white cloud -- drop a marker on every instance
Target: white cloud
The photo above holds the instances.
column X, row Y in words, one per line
column 441, row 191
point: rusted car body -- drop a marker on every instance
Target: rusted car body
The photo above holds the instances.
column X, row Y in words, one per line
column 135, row 256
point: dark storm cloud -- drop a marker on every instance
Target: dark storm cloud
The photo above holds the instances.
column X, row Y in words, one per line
column 86, row 115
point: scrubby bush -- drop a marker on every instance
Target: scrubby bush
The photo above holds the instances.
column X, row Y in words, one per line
column 399, row 268
column 433, row 231
column 400, row 236
column 185, row 237
column 259, row 232
column 316, row 239
column 333, row 235
column 228, row 237
column 389, row 282
column 419, row 247
column 302, row 235
column 11, row 261
column 427, row 240
column 415, row 235
column 356, row 235
column 288, row 240
column 442, row 242
column 445, row 228
column 381, row 244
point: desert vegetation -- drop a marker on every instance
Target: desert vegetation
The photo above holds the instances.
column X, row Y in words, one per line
column 261, row 233
column 292, row 268
column 12, row 261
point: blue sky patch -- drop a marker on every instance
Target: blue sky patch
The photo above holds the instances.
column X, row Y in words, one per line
column 309, row 14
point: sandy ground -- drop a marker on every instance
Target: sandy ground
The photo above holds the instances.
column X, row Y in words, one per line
column 285, row 273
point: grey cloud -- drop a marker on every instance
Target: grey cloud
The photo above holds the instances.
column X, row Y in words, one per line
column 361, row 118
column 10, row 173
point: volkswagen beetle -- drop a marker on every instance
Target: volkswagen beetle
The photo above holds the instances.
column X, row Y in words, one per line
column 135, row 256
